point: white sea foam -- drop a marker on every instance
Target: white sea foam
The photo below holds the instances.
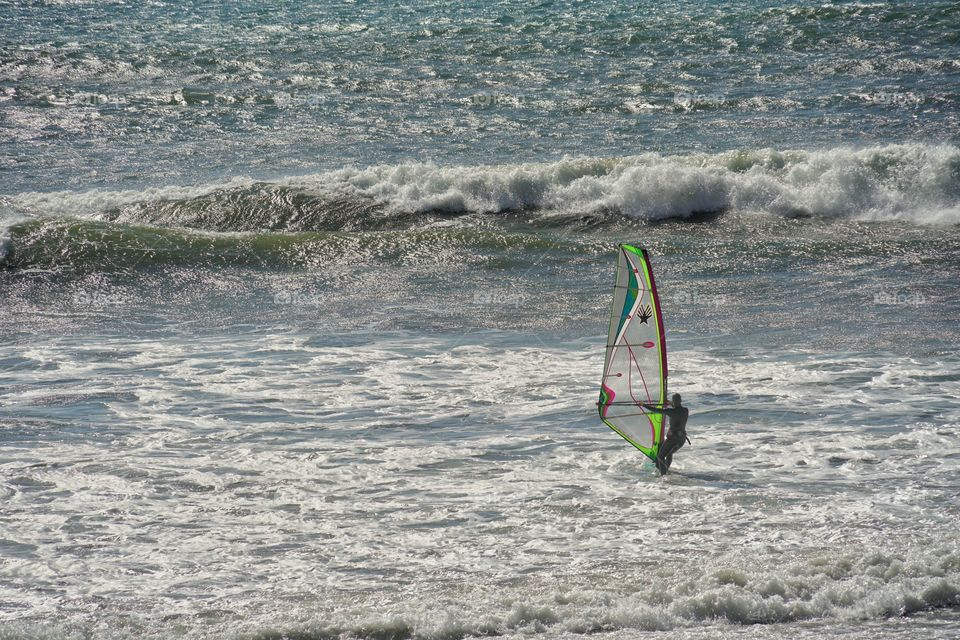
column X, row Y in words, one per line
column 910, row 182
column 913, row 182
column 94, row 202
column 419, row 485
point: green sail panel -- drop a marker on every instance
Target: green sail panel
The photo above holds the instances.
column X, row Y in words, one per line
column 635, row 367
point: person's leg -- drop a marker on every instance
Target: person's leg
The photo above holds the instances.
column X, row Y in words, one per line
column 665, row 454
column 661, row 466
column 662, row 463
column 681, row 440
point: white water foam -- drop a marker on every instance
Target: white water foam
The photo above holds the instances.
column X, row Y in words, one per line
column 439, row 488
column 911, row 182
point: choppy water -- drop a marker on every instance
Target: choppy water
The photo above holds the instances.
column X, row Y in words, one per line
column 302, row 315
column 133, row 94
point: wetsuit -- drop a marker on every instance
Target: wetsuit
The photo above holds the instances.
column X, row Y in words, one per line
column 676, row 434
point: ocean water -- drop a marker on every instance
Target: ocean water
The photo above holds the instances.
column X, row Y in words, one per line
column 302, row 315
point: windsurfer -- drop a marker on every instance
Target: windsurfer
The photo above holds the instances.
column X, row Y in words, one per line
column 676, row 434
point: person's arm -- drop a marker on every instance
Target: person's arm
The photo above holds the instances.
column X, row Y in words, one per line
column 653, row 408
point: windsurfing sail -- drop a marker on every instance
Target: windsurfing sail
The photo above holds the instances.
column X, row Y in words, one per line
column 635, row 368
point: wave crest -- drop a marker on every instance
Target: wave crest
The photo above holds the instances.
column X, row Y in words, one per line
column 911, row 182
column 915, row 182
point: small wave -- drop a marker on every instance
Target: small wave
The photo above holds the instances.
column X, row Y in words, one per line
column 910, row 182
column 64, row 246
column 872, row 587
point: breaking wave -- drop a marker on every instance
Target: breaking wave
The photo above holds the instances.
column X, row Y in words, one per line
column 876, row 586
column 909, row 182
column 872, row 587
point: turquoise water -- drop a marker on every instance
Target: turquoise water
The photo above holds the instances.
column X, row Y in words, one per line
column 302, row 314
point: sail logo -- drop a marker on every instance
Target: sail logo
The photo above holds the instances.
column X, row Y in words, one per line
column 644, row 313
